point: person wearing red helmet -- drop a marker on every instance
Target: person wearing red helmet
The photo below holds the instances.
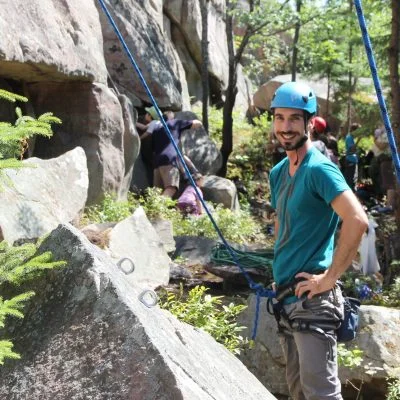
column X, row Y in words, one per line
column 317, row 128
column 319, row 124
column 309, row 195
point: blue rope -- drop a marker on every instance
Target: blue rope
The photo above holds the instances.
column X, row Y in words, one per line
column 378, row 89
column 259, row 289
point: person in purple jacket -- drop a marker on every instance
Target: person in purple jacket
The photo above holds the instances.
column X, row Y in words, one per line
column 188, row 201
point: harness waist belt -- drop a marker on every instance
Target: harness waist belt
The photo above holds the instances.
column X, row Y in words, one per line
column 288, row 289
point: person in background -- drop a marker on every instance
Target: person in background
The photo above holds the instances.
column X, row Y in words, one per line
column 188, row 201
column 350, row 168
column 151, row 121
column 317, row 129
column 166, row 171
column 310, row 195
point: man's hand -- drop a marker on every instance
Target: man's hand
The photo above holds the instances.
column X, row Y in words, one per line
column 313, row 284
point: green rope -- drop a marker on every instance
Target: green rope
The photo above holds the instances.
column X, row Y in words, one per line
column 248, row 259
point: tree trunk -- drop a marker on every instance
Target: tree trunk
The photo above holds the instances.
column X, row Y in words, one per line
column 204, row 65
column 230, row 97
column 296, row 40
column 395, row 87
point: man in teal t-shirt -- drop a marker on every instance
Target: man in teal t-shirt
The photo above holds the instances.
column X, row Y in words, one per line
column 300, row 247
column 309, row 195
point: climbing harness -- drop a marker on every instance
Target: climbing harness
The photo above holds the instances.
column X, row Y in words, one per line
column 258, row 288
column 378, row 88
column 126, row 265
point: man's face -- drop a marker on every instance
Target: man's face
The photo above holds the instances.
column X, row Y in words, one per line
column 289, row 126
column 147, row 117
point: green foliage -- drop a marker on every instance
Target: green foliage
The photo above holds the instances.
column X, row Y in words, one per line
column 349, row 358
column 393, row 389
column 241, row 128
column 209, row 314
column 236, row 226
column 18, row 265
column 13, row 136
column 109, row 210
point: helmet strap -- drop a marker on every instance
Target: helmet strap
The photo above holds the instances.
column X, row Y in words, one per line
column 298, row 145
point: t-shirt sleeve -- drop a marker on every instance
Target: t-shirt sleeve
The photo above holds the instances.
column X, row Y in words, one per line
column 272, row 189
column 327, row 181
column 153, row 125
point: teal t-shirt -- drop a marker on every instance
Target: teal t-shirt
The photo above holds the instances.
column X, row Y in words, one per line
column 307, row 222
column 351, row 155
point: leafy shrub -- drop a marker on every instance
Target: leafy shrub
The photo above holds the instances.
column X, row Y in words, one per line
column 109, row 210
column 208, row 313
column 349, row 358
column 393, row 389
column 236, row 226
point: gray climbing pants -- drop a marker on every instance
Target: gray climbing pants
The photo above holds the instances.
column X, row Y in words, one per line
column 311, row 355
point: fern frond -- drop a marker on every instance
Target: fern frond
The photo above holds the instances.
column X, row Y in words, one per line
column 49, row 118
column 6, row 95
column 23, row 119
column 6, row 351
column 13, row 307
column 18, row 264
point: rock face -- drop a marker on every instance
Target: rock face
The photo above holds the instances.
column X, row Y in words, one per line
column 378, row 339
column 88, row 336
column 65, row 57
column 41, row 196
column 221, row 191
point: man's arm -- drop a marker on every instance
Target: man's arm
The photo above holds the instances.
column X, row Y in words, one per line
column 354, row 224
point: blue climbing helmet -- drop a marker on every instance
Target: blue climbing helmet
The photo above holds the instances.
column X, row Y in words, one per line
column 295, row 95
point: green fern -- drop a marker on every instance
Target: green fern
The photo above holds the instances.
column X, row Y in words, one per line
column 6, row 95
column 13, row 136
column 6, row 351
column 18, row 264
column 13, row 307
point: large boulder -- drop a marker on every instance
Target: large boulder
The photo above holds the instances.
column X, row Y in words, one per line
column 51, row 40
column 136, row 239
column 88, row 335
column 43, row 194
column 199, row 147
column 94, row 119
column 221, row 191
column 377, row 338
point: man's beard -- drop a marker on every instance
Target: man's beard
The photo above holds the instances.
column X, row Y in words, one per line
column 289, row 146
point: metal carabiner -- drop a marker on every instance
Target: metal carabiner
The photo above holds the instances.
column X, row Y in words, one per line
column 121, row 267
column 148, row 297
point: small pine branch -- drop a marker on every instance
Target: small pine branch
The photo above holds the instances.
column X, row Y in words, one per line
column 12, row 97
column 18, row 264
column 13, row 307
column 6, row 351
